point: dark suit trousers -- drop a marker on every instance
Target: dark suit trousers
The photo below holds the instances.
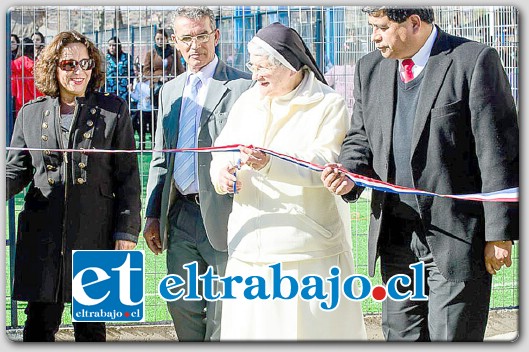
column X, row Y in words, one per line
column 454, row 311
column 197, row 320
column 43, row 321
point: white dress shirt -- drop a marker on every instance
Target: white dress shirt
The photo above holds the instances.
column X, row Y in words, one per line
column 205, row 75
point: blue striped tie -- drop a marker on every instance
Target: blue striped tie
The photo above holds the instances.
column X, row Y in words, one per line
column 184, row 170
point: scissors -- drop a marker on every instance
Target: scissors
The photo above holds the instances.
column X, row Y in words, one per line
column 235, row 174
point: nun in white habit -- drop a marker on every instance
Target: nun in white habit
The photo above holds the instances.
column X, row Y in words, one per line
column 282, row 214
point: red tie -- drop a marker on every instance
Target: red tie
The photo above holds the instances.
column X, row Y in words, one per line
column 407, row 75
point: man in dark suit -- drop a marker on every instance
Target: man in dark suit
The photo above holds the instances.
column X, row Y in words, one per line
column 446, row 123
column 184, row 213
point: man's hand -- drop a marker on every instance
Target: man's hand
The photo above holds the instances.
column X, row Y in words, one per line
column 335, row 180
column 124, row 245
column 497, row 254
column 151, row 232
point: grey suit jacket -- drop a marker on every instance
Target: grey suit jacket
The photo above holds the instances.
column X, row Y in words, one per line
column 465, row 140
column 224, row 89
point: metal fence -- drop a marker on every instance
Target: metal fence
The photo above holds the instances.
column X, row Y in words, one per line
column 336, row 35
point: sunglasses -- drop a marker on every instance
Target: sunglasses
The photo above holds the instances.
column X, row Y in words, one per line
column 70, row 65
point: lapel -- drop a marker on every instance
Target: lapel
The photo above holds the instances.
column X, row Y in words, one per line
column 216, row 90
column 385, row 108
column 172, row 121
column 433, row 79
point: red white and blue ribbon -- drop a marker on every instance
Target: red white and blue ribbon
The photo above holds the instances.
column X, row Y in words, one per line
column 506, row 195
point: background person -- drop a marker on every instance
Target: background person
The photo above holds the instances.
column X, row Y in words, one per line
column 142, row 115
column 15, row 46
column 444, row 122
column 281, row 211
column 119, row 69
column 40, row 43
column 15, row 53
column 22, row 81
column 184, row 214
column 160, row 64
column 341, row 78
column 75, row 201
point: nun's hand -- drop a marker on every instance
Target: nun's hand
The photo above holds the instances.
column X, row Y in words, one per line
column 254, row 158
column 227, row 180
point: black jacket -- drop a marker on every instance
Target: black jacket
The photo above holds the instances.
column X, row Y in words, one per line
column 464, row 141
column 75, row 200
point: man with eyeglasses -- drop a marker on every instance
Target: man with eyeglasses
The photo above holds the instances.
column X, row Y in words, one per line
column 433, row 112
column 185, row 216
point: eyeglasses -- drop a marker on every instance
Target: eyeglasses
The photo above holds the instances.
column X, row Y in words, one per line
column 71, row 65
column 259, row 69
column 201, row 38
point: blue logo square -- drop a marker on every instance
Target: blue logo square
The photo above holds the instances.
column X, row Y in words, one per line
column 108, row 286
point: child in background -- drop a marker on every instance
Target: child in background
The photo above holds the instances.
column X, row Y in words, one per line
column 142, row 116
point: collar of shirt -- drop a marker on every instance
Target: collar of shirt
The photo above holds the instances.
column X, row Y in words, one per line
column 420, row 59
column 206, row 73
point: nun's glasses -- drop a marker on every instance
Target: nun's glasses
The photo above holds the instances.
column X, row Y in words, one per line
column 260, row 70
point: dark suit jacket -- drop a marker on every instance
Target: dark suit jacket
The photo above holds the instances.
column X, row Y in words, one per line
column 465, row 140
column 224, row 89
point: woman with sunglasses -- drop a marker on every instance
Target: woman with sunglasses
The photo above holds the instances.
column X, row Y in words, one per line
column 75, row 200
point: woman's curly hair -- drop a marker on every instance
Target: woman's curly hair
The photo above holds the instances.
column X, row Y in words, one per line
column 46, row 66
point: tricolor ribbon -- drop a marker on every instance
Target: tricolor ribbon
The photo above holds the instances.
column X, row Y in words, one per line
column 506, row 195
